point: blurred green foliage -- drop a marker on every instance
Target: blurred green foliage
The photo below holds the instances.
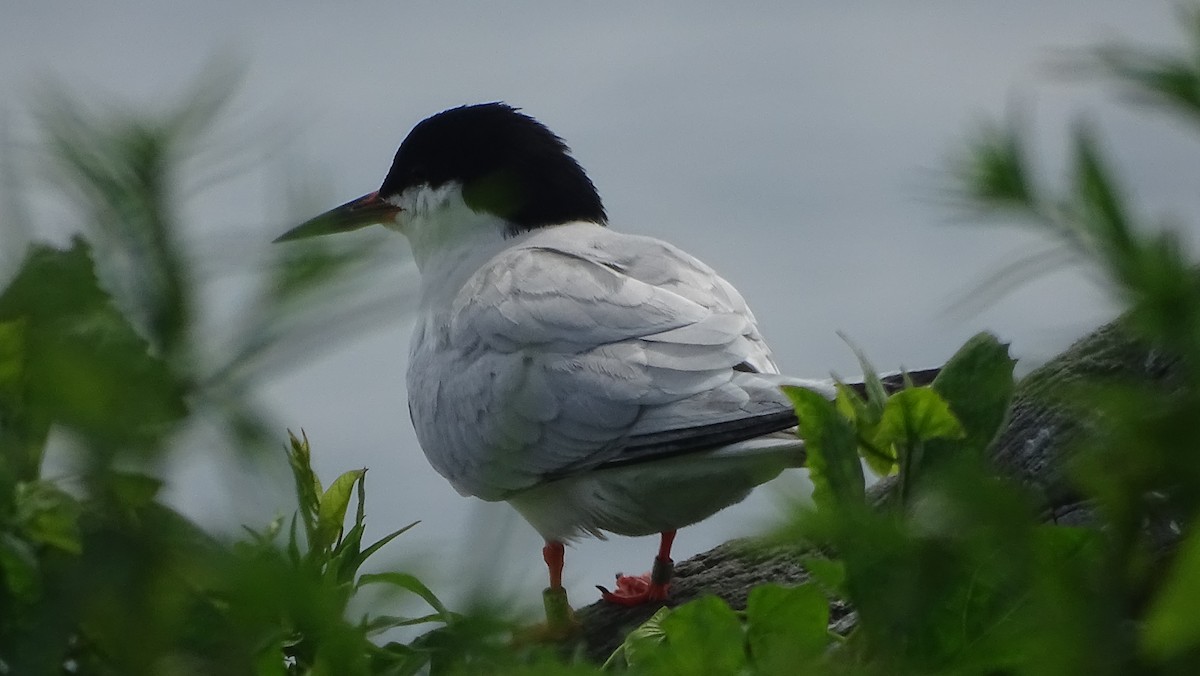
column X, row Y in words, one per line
column 111, row 366
column 953, row 573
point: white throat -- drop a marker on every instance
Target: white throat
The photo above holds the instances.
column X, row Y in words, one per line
column 449, row 240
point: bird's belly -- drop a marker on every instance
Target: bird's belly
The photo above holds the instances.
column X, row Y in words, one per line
column 653, row 497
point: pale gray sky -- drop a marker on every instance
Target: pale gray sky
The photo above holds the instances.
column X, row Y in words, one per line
column 797, row 147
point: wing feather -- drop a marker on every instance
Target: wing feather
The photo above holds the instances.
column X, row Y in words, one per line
column 581, row 348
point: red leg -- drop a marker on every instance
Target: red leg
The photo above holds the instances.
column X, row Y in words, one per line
column 553, row 554
column 636, row 590
column 560, row 619
column 664, row 545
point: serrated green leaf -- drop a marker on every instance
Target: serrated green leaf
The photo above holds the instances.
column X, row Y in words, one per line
column 703, row 638
column 786, row 627
column 86, row 366
column 831, row 448
column 882, row 461
column 641, row 641
column 865, row 419
column 915, row 415
column 331, row 513
column 911, row 419
column 977, row 384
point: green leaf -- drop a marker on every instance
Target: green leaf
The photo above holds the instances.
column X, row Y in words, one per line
column 876, row 393
column 914, row 415
column 852, row 406
column 344, row 559
column 133, row 490
column 1073, row 611
column 787, row 627
column 48, row 515
column 1171, row 626
column 378, row 544
column 269, row 661
column 830, row 444
column 23, row 429
column 12, row 364
column 912, row 418
column 86, row 366
column 412, row 584
column 642, row 641
column 1100, row 205
column 829, row 573
column 703, row 637
column 19, row 565
column 977, row 384
column 1166, row 79
column 865, row 416
column 994, row 171
column 273, row 529
column 360, row 515
column 881, row 460
column 331, row 513
column 308, row 486
column 382, row 623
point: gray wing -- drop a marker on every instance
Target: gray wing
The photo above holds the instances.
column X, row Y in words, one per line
column 568, row 353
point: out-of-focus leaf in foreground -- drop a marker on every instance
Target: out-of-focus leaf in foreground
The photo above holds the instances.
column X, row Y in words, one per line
column 106, row 341
column 82, row 365
column 832, row 459
column 129, row 172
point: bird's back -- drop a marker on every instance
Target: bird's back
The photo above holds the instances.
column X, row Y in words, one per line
column 576, row 348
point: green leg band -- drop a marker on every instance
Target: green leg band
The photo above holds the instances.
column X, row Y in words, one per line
column 558, row 608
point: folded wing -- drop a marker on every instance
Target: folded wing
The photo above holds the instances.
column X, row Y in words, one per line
column 584, row 349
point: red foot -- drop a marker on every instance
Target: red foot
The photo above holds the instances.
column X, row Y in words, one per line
column 648, row 588
column 635, row 590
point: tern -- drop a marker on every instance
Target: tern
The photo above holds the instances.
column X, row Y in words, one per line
column 599, row 382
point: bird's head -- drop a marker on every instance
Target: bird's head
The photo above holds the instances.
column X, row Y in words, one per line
column 490, row 157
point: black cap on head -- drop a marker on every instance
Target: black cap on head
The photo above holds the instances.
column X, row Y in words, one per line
column 508, row 163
